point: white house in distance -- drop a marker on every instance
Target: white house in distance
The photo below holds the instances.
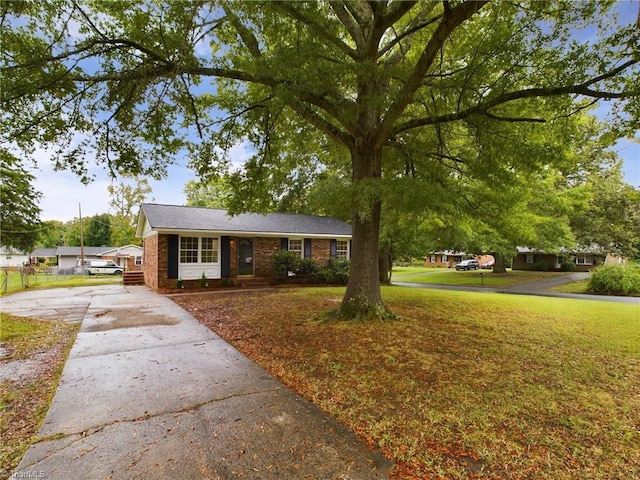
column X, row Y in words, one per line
column 10, row 257
column 67, row 258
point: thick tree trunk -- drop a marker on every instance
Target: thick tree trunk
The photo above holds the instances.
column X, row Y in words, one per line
column 499, row 266
column 363, row 298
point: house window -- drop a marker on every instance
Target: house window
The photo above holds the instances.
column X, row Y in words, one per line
column 188, row 249
column 295, row 245
column 198, row 250
column 209, row 251
column 433, row 258
column 529, row 257
column 443, row 259
column 584, row 259
column 342, row 249
column 138, row 261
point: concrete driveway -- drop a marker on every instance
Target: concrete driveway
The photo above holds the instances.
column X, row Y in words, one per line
column 148, row 392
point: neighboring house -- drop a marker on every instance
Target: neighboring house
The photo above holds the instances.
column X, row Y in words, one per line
column 584, row 260
column 129, row 257
column 10, row 257
column 187, row 242
column 445, row 259
column 68, row 258
column 47, row 256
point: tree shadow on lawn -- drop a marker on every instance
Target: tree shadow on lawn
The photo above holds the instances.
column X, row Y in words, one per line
column 460, row 388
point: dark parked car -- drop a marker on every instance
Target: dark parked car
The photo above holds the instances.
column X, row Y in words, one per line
column 468, row 265
column 488, row 265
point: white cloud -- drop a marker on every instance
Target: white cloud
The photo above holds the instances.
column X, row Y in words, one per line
column 62, row 193
column 629, row 152
column 239, row 154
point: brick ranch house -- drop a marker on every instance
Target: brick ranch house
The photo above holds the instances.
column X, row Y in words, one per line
column 449, row 258
column 186, row 242
column 584, row 260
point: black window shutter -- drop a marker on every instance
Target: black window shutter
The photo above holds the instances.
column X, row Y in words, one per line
column 333, row 248
column 225, row 257
column 307, row 248
column 284, row 244
column 172, row 255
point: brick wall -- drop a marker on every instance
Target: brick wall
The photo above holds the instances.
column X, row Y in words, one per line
column 163, row 263
column 443, row 261
column 321, row 251
column 131, row 265
column 150, row 259
column 264, row 251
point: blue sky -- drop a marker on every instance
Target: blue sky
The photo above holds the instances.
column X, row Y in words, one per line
column 63, row 192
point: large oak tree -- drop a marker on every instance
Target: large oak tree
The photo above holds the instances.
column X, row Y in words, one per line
column 143, row 80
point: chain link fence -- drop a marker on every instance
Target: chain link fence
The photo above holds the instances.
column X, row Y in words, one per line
column 18, row 278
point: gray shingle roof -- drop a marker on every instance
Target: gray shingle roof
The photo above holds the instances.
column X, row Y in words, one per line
column 44, row 252
column 564, row 250
column 87, row 250
column 69, row 251
column 173, row 217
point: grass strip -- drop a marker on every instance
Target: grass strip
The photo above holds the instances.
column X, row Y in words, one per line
column 37, row 349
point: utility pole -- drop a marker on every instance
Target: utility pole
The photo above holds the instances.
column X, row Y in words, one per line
column 81, row 242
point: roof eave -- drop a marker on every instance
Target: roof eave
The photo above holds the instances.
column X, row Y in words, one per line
column 245, row 233
column 141, row 221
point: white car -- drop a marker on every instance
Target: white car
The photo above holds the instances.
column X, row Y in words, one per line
column 103, row 267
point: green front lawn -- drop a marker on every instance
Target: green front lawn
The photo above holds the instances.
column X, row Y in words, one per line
column 15, row 282
column 400, row 271
column 475, row 278
column 573, row 287
column 466, row 385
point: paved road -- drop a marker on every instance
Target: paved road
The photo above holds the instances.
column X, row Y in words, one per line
column 148, row 392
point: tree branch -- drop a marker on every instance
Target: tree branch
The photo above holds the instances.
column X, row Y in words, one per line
column 323, row 125
column 397, row 10
column 483, row 108
column 349, row 22
column 248, row 38
column 88, row 20
column 513, row 119
column 415, row 26
column 450, row 21
column 289, row 9
column 361, row 11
